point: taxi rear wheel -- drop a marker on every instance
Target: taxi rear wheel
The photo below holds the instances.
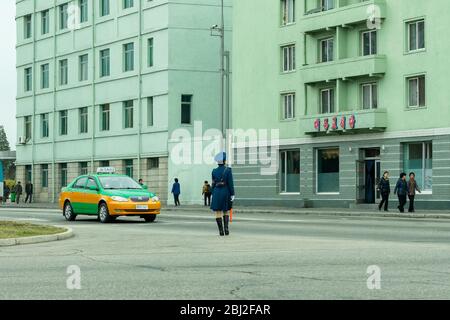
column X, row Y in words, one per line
column 150, row 218
column 103, row 213
column 68, row 212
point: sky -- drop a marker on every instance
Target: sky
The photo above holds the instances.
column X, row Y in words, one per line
column 8, row 70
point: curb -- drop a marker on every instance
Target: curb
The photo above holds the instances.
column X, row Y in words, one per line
column 37, row 239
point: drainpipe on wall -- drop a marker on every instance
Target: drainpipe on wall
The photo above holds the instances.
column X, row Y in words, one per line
column 140, row 92
column 55, row 19
column 93, row 88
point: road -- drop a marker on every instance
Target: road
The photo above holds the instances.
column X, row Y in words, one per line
column 267, row 256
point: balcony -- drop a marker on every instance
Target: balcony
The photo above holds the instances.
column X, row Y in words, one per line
column 345, row 15
column 358, row 121
column 344, row 68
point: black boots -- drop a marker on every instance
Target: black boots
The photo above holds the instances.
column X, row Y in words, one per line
column 226, row 219
column 220, row 226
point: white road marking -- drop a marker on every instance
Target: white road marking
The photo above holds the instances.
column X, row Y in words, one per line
column 21, row 219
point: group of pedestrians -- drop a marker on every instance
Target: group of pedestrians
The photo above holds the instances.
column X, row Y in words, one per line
column 17, row 191
column 404, row 188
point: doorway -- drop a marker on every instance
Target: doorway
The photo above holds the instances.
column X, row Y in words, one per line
column 369, row 174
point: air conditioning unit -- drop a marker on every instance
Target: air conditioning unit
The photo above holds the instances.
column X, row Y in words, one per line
column 22, row 140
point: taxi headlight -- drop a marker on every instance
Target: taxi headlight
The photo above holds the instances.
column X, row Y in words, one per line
column 155, row 199
column 119, row 199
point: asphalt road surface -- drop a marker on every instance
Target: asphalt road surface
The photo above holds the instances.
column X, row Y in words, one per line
column 267, row 256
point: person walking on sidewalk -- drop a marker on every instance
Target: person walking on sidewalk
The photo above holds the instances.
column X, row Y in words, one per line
column 401, row 189
column 18, row 190
column 222, row 193
column 29, row 192
column 412, row 188
column 385, row 189
column 206, row 192
column 176, row 191
column 6, row 192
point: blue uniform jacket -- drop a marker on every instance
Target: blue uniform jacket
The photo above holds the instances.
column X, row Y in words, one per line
column 176, row 189
column 222, row 192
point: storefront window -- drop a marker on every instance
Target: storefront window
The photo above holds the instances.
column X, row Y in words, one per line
column 290, row 171
column 418, row 158
column 328, row 170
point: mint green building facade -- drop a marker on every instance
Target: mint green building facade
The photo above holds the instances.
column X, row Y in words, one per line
column 106, row 82
column 355, row 88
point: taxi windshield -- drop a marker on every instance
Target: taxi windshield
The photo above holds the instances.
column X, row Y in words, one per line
column 119, row 183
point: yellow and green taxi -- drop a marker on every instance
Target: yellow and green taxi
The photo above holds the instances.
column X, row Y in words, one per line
column 108, row 196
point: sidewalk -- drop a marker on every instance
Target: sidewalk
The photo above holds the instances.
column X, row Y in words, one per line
column 430, row 214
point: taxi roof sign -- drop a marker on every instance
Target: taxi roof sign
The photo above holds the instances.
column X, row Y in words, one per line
column 106, row 170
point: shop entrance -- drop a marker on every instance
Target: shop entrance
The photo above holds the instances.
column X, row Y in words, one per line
column 368, row 175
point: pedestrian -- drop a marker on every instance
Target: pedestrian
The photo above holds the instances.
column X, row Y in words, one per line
column 412, row 188
column 222, row 193
column 206, row 192
column 141, row 182
column 176, row 191
column 29, row 192
column 385, row 189
column 401, row 189
column 6, row 192
column 18, row 189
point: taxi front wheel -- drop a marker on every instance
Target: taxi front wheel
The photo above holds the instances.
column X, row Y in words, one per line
column 68, row 212
column 150, row 218
column 103, row 213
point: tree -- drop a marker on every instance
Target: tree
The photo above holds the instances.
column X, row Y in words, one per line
column 4, row 144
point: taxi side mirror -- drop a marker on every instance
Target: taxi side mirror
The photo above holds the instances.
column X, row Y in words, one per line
column 93, row 188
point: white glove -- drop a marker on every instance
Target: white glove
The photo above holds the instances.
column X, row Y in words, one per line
column 232, row 198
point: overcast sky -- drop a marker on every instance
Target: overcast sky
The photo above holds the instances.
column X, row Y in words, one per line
column 8, row 70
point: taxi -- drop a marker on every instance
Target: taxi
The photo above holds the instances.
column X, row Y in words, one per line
column 108, row 196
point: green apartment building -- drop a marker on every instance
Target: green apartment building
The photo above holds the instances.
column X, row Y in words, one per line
column 106, row 82
column 355, row 88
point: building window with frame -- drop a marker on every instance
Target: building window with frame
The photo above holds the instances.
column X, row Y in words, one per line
column 45, row 22
column 28, row 79
column 416, row 35
column 287, row 12
column 84, row 67
column 104, row 163
column 288, row 106
column 83, row 168
column 83, row 5
column 63, row 122
column 104, row 63
column 152, row 163
column 418, row 158
column 128, row 164
column 83, row 120
column 369, row 95
column 128, row 4
column 128, row 57
column 416, row 91
column 150, row 112
column 327, row 100
column 128, row 112
column 28, row 128
column 28, row 173
column 45, row 125
column 288, row 58
column 150, row 50
column 327, row 170
column 104, row 8
column 44, row 175
column 369, row 42
column 104, row 117
column 63, row 72
column 327, row 50
column 63, row 174
column 63, row 16
column 45, row 77
column 290, row 171
column 28, row 29
column 327, row 5
column 186, row 108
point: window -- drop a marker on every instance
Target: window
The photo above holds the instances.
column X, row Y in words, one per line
column 128, row 57
column 288, row 58
column 27, row 28
column 45, row 21
column 152, row 163
column 63, row 16
column 416, row 35
column 28, row 79
column 63, row 123
column 28, row 173
column 83, row 4
column 104, row 117
column 150, row 52
column 290, row 171
column 369, row 43
column 287, row 12
column 104, row 63
column 83, row 120
column 83, row 70
column 150, row 111
column 327, row 50
column 128, row 4
column 128, row 164
column 83, row 168
column 104, row 163
column 45, row 76
column 186, row 105
column 327, row 100
column 80, row 183
column 63, row 174
column 416, row 91
column 44, row 175
column 63, row 76
column 128, row 111
column 288, row 101
column 328, row 170
column 369, row 93
column 418, row 158
column 104, row 8
column 44, row 125
column 327, row 4
column 27, row 126
column 91, row 183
